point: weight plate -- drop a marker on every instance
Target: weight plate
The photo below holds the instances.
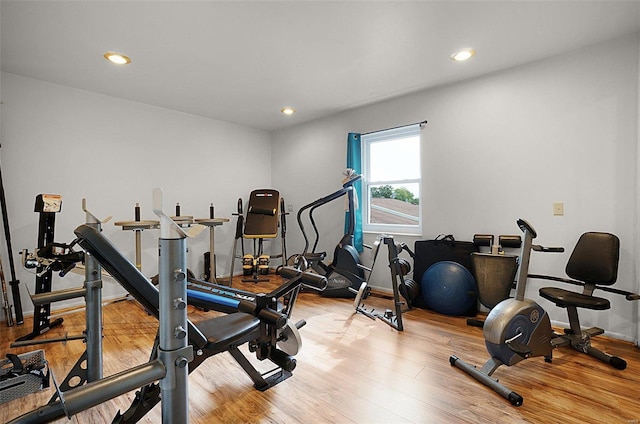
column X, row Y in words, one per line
column 289, row 340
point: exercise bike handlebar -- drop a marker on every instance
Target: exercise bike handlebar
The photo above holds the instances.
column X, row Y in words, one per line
column 627, row 295
column 316, row 203
column 539, row 248
column 525, row 226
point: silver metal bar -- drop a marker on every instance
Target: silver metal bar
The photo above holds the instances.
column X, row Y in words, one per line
column 173, row 350
column 57, row 296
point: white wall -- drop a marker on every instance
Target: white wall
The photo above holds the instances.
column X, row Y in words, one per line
column 637, row 227
column 113, row 152
column 502, row 147
column 496, row 148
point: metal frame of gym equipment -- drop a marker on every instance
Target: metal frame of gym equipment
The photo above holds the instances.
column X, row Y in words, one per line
column 258, row 250
column 268, row 332
column 515, row 329
column 345, row 273
column 89, row 366
column 47, row 205
column 401, row 286
column 255, row 322
column 170, row 367
column 519, row 328
column 211, row 222
column 209, row 284
column 210, row 257
column 138, row 225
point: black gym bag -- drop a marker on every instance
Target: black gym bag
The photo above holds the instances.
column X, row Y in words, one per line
column 443, row 248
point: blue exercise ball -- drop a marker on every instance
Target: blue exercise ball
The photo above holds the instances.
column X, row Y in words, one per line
column 448, row 288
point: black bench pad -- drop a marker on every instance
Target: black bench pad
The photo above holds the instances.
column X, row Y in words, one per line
column 227, row 330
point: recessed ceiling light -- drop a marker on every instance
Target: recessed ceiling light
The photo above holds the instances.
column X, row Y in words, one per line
column 117, row 58
column 288, row 110
column 463, row 54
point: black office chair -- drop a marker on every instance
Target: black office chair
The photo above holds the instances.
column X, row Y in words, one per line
column 593, row 265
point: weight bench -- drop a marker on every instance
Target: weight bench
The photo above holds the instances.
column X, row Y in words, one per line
column 255, row 322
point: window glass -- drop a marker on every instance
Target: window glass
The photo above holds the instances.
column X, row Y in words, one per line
column 396, row 159
column 392, row 180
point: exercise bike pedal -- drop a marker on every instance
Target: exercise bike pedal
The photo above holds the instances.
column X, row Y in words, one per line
column 473, row 322
column 520, row 348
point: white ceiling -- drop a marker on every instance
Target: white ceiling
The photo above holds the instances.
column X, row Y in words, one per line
column 242, row 61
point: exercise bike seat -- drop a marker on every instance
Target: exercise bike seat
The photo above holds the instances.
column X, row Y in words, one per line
column 593, row 263
column 564, row 298
column 233, row 329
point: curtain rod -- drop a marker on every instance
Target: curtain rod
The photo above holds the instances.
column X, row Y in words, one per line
column 422, row 123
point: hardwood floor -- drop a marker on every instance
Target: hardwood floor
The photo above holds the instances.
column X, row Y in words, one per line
column 355, row 370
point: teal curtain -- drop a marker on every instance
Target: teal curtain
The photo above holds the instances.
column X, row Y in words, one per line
column 354, row 161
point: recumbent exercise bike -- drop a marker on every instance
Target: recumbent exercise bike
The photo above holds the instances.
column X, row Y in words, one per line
column 519, row 328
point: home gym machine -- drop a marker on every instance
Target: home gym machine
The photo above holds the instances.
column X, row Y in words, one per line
column 516, row 328
column 63, row 258
column 265, row 214
column 345, row 273
column 47, row 205
column 181, row 346
column 170, row 367
column 405, row 287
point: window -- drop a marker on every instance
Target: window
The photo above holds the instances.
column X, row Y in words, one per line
column 391, row 183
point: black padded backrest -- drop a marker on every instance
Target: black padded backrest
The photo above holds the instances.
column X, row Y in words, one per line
column 127, row 275
column 595, row 259
column 262, row 214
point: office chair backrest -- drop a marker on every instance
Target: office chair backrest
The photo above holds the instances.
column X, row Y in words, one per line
column 595, row 259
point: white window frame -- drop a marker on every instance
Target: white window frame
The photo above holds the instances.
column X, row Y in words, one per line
column 367, row 140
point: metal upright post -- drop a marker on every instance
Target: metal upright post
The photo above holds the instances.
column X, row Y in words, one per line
column 173, row 350
column 397, row 281
column 525, row 255
column 93, row 300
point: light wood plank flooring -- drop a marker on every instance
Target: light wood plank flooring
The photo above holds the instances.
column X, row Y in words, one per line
column 355, row 370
